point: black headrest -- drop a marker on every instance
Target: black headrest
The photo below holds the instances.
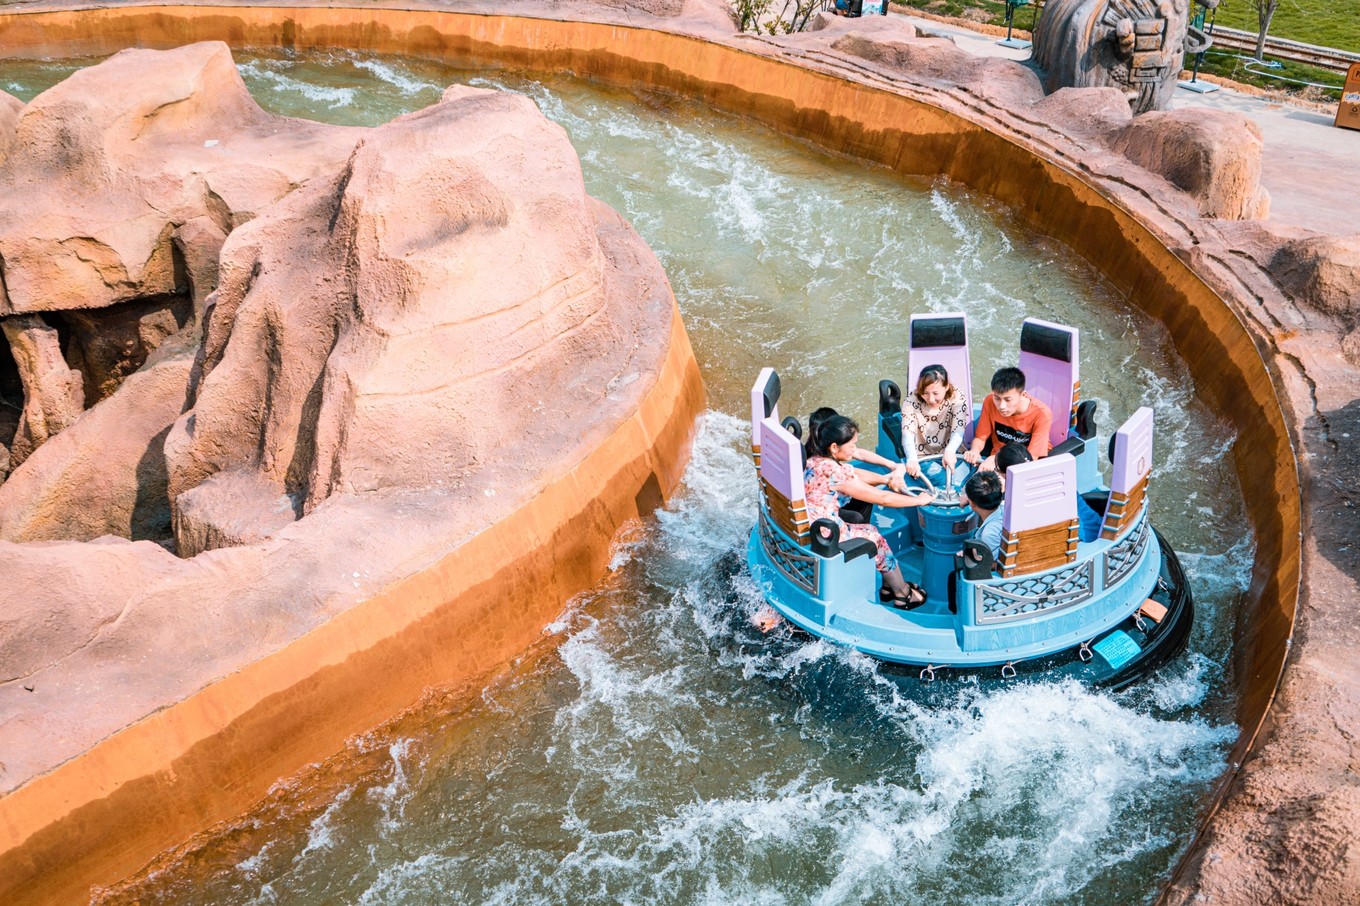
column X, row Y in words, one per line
column 770, row 392
column 1049, row 342
column 927, row 333
column 791, row 425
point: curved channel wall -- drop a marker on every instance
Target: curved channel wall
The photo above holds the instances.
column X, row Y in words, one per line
column 157, row 783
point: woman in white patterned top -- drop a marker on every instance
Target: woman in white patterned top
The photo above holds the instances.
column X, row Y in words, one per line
column 934, row 418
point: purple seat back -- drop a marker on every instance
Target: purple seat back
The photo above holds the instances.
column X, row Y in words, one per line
column 1130, row 471
column 1040, row 522
column 1040, row 493
column 1049, row 356
column 764, row 404
column 940, row 340
column 781, row 460
column 781, row 479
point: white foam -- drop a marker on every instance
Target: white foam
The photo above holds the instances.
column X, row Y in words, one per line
column 321, row 832
column 389, row 74
column 283, row 84
column 393, row 796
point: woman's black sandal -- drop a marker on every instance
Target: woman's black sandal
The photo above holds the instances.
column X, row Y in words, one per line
column 916, row 596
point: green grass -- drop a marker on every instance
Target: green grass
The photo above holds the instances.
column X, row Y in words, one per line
column 1326, row 23
column 1230, row 65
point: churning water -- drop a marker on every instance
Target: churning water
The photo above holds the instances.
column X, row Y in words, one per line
column 656, row 748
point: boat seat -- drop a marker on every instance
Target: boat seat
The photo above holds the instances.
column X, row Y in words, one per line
column 1039, row 528
column 1096, row 500
column 941, row 339
column 1049, row 357
column 1130, row 471
column 856, row 512
column 781, row 480
column 764, row 404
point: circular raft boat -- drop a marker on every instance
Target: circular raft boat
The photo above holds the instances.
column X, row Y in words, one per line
column 1106, row 611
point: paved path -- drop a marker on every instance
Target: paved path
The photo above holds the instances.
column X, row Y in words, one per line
column 1310, row 167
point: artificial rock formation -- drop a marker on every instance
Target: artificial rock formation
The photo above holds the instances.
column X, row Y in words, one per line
column 166, row 153
column 106, row 473
column 54, row 395
column 425, row 330
column 434, row 380
column 147, row 142
column 9, row 115
column 1212, row 155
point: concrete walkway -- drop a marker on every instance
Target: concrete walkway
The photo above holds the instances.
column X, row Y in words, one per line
column 1310, row 167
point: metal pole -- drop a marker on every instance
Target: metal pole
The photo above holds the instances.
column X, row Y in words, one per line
column 1195, row 84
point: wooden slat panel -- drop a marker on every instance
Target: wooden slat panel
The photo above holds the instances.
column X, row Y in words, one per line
column 1123, row 509
column 789, row 516
column 1038, row 549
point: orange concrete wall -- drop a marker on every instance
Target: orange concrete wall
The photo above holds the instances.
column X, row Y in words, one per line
column 870, row 123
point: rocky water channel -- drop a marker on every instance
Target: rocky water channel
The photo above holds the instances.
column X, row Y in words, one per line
column 655, row 747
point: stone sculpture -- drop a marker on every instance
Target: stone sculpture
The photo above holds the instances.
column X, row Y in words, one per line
column 1134, row 45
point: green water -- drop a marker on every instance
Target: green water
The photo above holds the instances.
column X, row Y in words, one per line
column 655, row 748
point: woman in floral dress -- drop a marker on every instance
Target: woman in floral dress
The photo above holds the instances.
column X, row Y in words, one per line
column 830, row 482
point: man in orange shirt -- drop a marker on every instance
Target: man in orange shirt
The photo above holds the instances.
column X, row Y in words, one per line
column 1009, row 415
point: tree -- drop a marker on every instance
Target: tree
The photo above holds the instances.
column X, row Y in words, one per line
column 1265, row 11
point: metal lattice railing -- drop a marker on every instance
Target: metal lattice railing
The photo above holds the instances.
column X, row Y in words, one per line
column 800, row 568
column 1029, row 595
column 1122, row 557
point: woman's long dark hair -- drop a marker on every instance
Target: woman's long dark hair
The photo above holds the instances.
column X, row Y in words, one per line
column 828, row 430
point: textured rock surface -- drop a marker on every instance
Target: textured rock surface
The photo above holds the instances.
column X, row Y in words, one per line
column 104, row 475
column 54, row 395
column 938, row 60
column 147, row 141
column 9, row 115
column 1213, row 155
column 85, row 587
column 1322, row 272
column 117, row 187
column 421, row 321
column 393, row 351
